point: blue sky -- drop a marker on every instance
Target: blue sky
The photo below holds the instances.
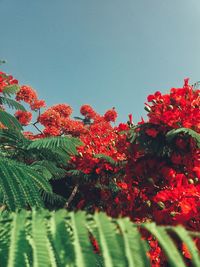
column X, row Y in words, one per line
column 101, row 52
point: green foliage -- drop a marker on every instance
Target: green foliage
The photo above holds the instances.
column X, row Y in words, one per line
column 9, row 121
column 11, row 90
column 176, row 132
column 79, row 176
column 12, row 137
column 106, row 158
column 12, row 103
column 42, row 238
column 65, row 144
column 49, row 169
column 20, row 185
column 27, row 166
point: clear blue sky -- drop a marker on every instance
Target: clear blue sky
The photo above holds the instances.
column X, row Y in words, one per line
column 102, row 52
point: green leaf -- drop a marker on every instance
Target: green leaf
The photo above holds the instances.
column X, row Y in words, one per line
column 105, row 232
column 106, row 158
column 18, row 244
column 62, row 237
column 41, row 238
column 40, row 243
column 53, row 199
column 175, row 132
column 20, row 185
column 167, row 244
column 134, row 247
column 11, row 89
column 9, row 121
column 12, row 137
column 187, row 240
column 56, row 172
column 12, row 103
column 82, row 247
column 65, row 144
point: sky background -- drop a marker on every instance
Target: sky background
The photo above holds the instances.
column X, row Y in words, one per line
column 107, row 53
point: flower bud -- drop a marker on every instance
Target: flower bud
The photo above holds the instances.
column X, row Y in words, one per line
column 190, row 181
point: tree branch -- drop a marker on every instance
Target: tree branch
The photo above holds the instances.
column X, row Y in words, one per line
column 34, row 124
column 71, row 197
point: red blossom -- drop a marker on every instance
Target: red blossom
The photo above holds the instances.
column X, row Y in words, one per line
column 51, row 131
column 151, row 132
column 130, row 118
column 37, row 104
column 144, row 178
column 24, row 117
column 50, row 118
column 110, row 115
column 6, row 80
column 63, row 109
column 26, row 94
column 87, row 111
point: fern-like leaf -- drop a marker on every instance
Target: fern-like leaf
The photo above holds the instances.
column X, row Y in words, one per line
column 106, row 158
column 187, row 240
column 67, row 144
column 175, row 132
column 42, row 253
column 134, row 247
column 9, row 121
column 11, row 89
column 20, row 185
column 42, row 238
column 12, row 137
column 174, row 256
column 12, row 103
column 52, row 171
column 17, row 250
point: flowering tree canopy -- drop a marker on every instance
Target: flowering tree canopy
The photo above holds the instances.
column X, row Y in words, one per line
column 149, row 171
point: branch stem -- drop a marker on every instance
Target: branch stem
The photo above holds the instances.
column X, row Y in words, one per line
column 34, row 124
column 71, row 197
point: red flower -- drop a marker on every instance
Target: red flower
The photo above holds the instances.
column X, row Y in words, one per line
column 130, row 118
column 176, row 158
column 24, row 117
column 26, row 94
column 122, row 127
column 94, row 243
column 51, row 131
column 122, row 185
column 196, row 169
column 28, row 135
column 181, row 143
column 50, row 118
column 76, row 128
column 6, row 80
column 151, row 132
column 110, row 115
column 63, row 109
column 180, row 108
column 37, row 104
column 87, row 111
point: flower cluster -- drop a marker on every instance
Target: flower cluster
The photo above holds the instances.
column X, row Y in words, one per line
column 57, row 121
column 6, row 80
column 153, row 170
column 149, row 171
column 163, row 174
column 178, row 109
column 24, row 117
column 29, row 95
column 87, row 111
column 110, row 115
column 100, row 138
